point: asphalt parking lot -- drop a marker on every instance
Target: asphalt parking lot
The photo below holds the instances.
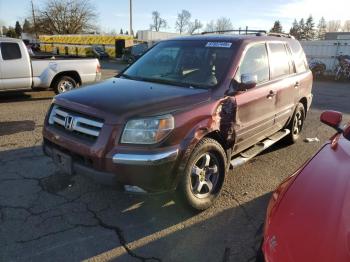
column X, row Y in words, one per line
column 47, row 216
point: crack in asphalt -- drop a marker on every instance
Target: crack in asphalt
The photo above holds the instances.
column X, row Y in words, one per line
column 45, row 187
column 44, row 235
column 121, row 237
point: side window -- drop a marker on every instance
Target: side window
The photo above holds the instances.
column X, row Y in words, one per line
column 255, row 62
column 10, row 51
column 299, row 56
column 290, row 59
column 279, row 60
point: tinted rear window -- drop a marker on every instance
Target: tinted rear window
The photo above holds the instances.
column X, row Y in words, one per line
column 280, row 60
column 298, row 56
column 10, row 51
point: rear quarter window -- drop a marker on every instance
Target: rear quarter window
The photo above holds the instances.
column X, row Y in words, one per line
column 298, row 56
column 279, row 60
column 10, row 51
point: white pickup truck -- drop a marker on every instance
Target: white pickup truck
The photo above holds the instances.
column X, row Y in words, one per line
column 18, row 71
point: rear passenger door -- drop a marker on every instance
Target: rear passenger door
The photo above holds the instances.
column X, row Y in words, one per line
column 255, row 113
column 283, row 82
column 15, row 67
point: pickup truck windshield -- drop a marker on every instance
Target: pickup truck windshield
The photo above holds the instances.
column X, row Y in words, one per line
column 200, row 64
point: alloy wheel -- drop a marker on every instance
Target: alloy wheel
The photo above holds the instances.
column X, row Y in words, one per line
column 65, row 86
column 298, row 123
column 205, row 175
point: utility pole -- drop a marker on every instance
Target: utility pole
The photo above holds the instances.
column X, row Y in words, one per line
column 34, row 20
column 130, row 29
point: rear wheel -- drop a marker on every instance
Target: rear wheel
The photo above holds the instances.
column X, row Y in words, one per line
column 296, row 124
column 204, row 174
column 64, row 84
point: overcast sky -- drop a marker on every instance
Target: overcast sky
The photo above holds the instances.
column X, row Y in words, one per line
column 257, row 14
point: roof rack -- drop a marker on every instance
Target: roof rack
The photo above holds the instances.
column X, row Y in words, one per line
column 239, row 31
column 249, row 32
column 280, row 35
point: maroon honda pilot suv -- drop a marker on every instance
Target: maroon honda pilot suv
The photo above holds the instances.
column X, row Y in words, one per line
column 183, row 114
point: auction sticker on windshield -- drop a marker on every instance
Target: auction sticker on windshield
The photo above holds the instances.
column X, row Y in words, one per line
column 219, row 44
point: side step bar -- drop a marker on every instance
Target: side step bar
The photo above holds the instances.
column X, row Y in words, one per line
column 253, row 151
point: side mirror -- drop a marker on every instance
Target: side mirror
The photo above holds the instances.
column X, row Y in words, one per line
column 332, row 119
column 248, row 81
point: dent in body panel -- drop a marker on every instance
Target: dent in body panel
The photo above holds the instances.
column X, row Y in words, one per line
column 220, row 120
column 223, row 120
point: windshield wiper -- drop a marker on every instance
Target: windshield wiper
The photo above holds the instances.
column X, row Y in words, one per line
column 126, row 76
column 163, row 81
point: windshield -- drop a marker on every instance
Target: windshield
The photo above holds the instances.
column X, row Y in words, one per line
column 199, row 64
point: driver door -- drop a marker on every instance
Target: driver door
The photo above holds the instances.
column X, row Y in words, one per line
column 255, row 113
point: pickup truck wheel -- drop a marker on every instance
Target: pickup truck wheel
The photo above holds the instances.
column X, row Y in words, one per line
column 64, row 84
column 204, row 174
column 297, row 123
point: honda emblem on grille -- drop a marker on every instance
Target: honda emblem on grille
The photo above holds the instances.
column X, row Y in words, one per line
column 68, row 122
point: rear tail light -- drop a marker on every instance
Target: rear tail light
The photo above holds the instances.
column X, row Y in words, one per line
column 98, row 69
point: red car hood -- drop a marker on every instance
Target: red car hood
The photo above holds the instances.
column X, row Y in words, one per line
column 311, row 221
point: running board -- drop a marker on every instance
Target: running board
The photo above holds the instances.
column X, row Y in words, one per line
column 255, row 150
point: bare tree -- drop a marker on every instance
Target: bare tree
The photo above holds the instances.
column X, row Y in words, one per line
column 223, row 24
column 183, row 21
column 158, row 22
column 210, row 27
column 194, row 26
column 346, row 26
column 334, row 26
column 66, row 17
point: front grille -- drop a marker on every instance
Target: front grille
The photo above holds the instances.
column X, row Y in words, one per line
column 75, row 123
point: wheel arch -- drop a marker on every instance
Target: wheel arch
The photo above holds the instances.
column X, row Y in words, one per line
column 73, row 74
column 304, row 102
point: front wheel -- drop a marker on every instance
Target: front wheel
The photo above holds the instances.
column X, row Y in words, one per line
column 204, row 174
column 64, row 84
column 296, row 124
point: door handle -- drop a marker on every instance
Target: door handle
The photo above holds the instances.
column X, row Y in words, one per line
column 297, row 84
column 271, row 94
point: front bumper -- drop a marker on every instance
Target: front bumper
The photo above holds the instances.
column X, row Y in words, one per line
column 146, row 159
column 152, row 171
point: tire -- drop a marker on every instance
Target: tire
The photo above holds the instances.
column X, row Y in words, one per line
column 296, row 124
column 338, row 74
column 204, row 175
column 64, row 84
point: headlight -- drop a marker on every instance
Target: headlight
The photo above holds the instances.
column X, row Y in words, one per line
column 148, row 130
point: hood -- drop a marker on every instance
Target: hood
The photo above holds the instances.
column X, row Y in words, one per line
column 312, row 220
column 120, row 97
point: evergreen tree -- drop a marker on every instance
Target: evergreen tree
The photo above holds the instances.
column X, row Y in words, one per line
column 295, row 31
column 309, row 29
column 18, row 29
column 126, row 32
column 277, row 27
column 302, row 29
column 121, row 31
column 27, row 27
column 321, row 29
